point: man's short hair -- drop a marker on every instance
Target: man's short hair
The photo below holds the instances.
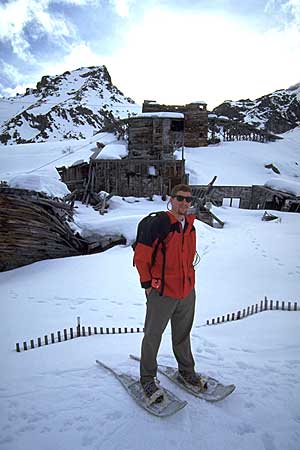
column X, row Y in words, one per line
column 180, row 187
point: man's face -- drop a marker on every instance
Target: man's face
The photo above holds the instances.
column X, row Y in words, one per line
column 179, row 203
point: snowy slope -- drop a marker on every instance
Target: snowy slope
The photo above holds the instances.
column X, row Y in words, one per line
column 234, row 163
column 75, row 104
column 57, row 397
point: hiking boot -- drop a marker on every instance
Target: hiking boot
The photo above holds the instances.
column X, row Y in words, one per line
column 192, row 379
column 152, row 392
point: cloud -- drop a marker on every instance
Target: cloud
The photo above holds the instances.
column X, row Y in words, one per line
column 122, row 6
column 191, row 56
column 173, row 51
column 287, row 12
column 19, row 16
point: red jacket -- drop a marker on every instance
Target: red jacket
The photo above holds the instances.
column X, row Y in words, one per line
column 180, row 245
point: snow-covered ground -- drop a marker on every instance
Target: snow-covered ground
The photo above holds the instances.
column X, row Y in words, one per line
column 57, row 397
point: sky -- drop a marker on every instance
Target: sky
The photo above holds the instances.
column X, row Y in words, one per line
column 172, row 51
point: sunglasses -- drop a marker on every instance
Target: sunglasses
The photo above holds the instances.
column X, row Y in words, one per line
column 180, row 198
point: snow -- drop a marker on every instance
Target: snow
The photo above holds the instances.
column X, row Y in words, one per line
column 291, row 187
column 57, row 397
column 163, row 114
column 39, row 183
column 113, row 151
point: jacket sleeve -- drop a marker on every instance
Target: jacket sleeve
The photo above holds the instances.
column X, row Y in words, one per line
column 144, row 250
column 142, row 260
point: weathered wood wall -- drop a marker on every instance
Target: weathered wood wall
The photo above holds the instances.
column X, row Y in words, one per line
column 251, row 197
column 218, row 193
column 154, row 138
column 195, row 120
column 125, row 177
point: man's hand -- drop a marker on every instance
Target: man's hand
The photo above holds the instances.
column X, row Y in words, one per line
column 147, row 291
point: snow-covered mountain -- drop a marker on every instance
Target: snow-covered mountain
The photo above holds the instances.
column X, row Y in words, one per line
column 76, row 104
column 81, row 103
column 277, row 112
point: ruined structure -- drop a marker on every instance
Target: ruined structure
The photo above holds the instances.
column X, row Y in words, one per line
column 195, row 120
column 249, row 197
column 150, row 167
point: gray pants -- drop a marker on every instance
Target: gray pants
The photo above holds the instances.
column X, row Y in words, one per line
column 159, row 311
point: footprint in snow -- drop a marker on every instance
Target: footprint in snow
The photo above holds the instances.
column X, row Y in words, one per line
column 268, row 441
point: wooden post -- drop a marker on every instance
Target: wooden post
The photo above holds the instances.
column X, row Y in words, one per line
column 52, row 338
column 218, row 319
column 131, row 330
column 58, row 336
column 232, row 316
column 244, row 313
column 125, row 330
column 18, row 347
column 256, row 308
column 120, row 331
column 46, row 340
column 65, row 334
column 277, row 304
column 107, row 330
column 295, row 306
column 39, row 342
column 228, row 317
column 83, row 331
column 266, row 303
column 207, row 322
column 238, row 315
column 271, row 304
column 282, row 306
column 101, row 330
column 289, row 306
column 95, row 330
column 248, row 311
column 25, row 346
column 71, row 333
column 32, row 343
column 261, row 305
column 90, row 331
column 252, row 309
column 213, row 321
column 114, row 331
column 78, row 326
column 223, row 319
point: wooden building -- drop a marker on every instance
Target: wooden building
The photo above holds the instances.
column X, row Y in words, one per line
column 250, row 197
column 149, row 168
column 195, row 120
column 124, row 177
column 155, row 135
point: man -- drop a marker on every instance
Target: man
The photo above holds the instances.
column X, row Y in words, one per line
column 169, row 283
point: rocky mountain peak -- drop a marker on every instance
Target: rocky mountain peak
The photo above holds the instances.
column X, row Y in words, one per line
column 277, row 112
column 75, row 104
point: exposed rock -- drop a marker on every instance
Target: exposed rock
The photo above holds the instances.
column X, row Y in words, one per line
column 75, row 105
column 277, row 112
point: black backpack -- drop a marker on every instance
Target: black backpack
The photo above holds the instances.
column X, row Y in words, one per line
column 155, row 225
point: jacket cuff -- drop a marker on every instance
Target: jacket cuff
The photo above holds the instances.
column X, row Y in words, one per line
column 146, row 284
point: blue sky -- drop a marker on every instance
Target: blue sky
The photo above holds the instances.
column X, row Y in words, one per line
column 173, row 51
